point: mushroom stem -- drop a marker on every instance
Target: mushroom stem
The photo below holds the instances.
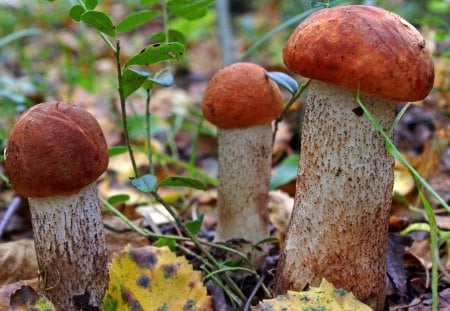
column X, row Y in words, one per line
column 70, row 248
column 245, row 157
column 339, row 224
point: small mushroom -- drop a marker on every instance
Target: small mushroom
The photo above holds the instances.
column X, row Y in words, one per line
column 55, row 153
column 242, row 102
column 338, row 228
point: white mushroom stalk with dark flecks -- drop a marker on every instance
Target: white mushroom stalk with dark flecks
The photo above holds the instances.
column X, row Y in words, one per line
column 339, row 224
column 242, row 102
column 55, row 153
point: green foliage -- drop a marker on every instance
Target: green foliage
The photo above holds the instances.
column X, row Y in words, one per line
column 132, row 80
column 194, row 226
column 146, row 183
column 189, row 9
column 118, row 198
column 182, row 181
column 156, row 53
column 284, row 80
column 285, row 172
column 136, row 19
column 100, row 21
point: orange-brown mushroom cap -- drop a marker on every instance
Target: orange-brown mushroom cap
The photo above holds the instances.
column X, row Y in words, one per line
column 55, row 149
column 362, row 45
column 241, row 95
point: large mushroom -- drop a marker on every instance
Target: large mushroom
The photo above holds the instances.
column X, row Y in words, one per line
column 242, row 102
column 338, row 228
column 54, row 155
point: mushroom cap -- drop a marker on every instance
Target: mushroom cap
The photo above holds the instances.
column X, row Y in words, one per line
column 241, row 95
column 55, row 149
column 362, row 45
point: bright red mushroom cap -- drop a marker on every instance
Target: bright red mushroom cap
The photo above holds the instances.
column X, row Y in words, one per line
column 241, row 95
column 55, row 149
column 362, row 45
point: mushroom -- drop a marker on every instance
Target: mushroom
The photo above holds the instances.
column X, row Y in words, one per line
column 242, row 102
column 339, row 226
column 55, row 153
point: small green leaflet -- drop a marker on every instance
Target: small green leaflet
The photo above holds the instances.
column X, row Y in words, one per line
column 174, row 36
column 165, row 81
column 146, row 183
column 90, row 4
column 100, row 21
column 194, row 226
column 115, row 150
column 148, row 2
column 284, row 80
column 118, row 198
column 182, row 181
column 189, row 9
column 267, row 240
column 132, row 80
column 135, row 20
column 156, row 53
column 285, row 172
column 76, row 11
column 170, row 243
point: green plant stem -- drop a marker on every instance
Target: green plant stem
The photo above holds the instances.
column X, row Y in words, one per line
column 123, row 108
column 294, row 98
column 210, row 180
column 218, row 282
column 421, row 183
column 148, row 134
column 194, row 239
column 193, row 155
column 165, row 20
column 145, row 232
column 434, row 247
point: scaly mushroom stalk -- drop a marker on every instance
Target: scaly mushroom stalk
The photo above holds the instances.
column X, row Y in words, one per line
column 245, row 159
column 338, row 228
column 242, row 102
column 55, row 153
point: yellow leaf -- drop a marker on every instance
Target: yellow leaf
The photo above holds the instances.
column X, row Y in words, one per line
column 324, row 298
column 151, row 278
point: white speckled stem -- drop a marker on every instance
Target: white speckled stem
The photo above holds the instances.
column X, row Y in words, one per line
column 245, row 157
column 339, row 224
column 70, row 247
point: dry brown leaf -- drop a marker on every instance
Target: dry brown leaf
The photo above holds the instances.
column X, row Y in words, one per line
column 17, row 261
column 7, row 290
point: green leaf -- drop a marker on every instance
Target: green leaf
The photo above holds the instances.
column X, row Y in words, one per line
column 146, row 183
column 283, row 80
column 148, row 2
column 170, row 243
column 100, row 21
column 132, row 80
column 285, row 172
column 267, row 240
column 135, row 20
column 118, row 198
column 156, row 53
column 182, row 181
column 76, row 11
column 194, row 226
column 165, row 81
column 189, row 9
column 116, row 150
column 174, row 36
column 90, row 4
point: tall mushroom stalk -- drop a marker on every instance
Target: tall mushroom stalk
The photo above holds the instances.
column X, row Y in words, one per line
column 55, row 153
column 338, row 228
column 242, row 102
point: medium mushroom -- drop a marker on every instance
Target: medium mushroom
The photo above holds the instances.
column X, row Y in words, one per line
column 54, row 155
column 338, row 228
column 242, row 102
